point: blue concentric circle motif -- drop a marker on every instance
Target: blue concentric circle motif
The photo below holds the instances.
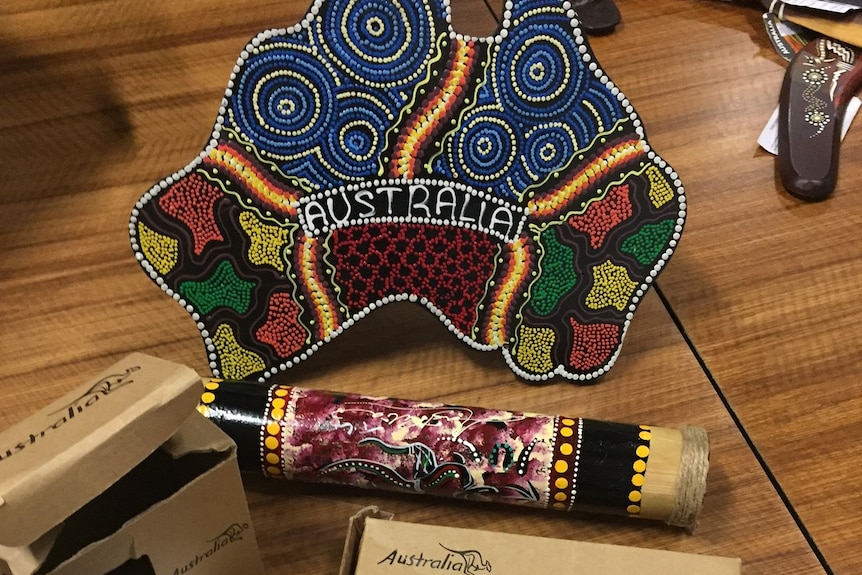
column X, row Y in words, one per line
column 484, row 148
column 538, row 71
column 356, row 139
column 284, row 99
column 547, row 148
column 381, row 43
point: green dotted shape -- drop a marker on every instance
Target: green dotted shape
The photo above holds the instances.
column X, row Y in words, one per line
column 649, row 241
column 557, row 274
column 222, row 289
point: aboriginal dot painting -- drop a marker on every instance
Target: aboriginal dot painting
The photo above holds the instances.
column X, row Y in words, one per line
column 371, row 154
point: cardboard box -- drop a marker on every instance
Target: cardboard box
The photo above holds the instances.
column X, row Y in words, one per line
column 394, row 547
column 123, row 476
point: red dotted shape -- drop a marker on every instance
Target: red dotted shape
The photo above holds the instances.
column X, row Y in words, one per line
column 191, row 201
column 447, row 265
column 593, row 344
column 601, row 217
column 282, row 329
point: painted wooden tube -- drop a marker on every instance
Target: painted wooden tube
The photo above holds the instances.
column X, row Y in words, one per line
column 553, row 462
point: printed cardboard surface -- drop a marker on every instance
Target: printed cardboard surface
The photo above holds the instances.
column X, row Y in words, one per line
column 72, row 450
column 124, row 476
column 394, row 547
column 204, row 528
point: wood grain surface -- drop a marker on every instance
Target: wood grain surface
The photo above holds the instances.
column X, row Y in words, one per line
column 99, row 99
column 766, row 287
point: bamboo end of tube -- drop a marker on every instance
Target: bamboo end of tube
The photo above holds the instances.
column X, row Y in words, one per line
column 675, row 478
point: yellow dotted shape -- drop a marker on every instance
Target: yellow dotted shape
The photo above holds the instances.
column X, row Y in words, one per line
column 642, row 451
column 561, row 483
column 267, row 242
column 639, row 466
column 207, row 397
column 660, row 191
column 566, row 449
column 635, row 496
column 271, row 442
column 237, row 362
column 612, row 287
column 633, row 509
column 160, row 250
column 561, row 466
column 212, row 385
column 534, row 348
column 273, row 428
column 567, row 432
column 638, row 480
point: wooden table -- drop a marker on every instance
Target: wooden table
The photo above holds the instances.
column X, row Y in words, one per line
column 751, row 333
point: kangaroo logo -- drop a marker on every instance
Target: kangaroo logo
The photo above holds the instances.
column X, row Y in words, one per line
column 104, row 386
column 473, row 561
column 372, row 154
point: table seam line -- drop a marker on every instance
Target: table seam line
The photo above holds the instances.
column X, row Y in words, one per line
column 773, row 480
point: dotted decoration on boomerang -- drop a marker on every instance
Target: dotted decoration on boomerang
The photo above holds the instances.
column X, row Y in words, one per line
column 371, row 154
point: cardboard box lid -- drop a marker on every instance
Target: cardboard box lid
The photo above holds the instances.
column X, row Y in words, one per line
column 395, row 547
column 54, row 462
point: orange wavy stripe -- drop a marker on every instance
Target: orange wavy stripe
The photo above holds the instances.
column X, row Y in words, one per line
column 504, row 295
column 327, row 320
column 558, row 199
column 259, row 184
column 435, row 110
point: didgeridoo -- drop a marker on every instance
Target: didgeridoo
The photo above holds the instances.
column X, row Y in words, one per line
column 552, row 462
